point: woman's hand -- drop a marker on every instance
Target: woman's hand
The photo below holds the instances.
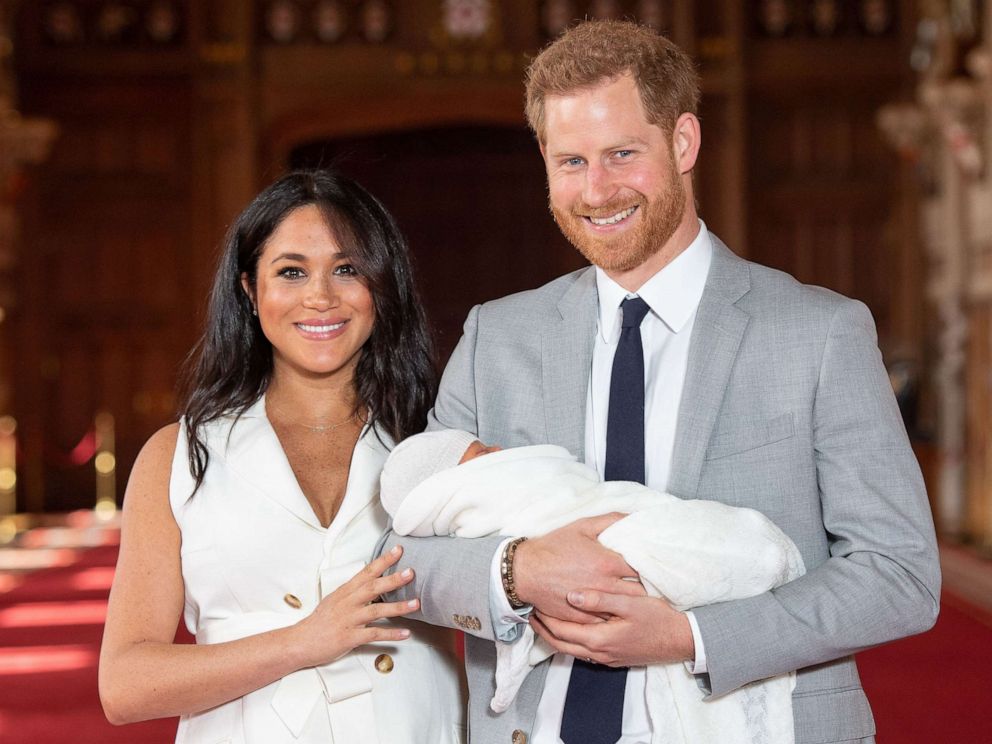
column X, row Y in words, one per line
column 342, row 620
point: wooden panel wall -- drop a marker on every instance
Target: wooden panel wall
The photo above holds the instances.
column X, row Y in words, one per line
column 106, row 301
column 824, row 195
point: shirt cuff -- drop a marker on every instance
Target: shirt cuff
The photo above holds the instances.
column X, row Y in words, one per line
column 507, row 622
column 698, row 666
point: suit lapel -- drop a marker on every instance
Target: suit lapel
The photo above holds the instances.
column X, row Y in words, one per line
column 716, row 337
column 566, row 353
column 254, row 453
column 363, row 478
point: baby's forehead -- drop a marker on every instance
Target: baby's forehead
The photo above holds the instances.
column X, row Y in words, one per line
column 474, row 448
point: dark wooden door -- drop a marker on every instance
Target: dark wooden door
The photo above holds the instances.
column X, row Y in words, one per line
column 472, row 203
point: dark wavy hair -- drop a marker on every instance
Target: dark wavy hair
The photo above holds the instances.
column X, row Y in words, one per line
column 231, row 365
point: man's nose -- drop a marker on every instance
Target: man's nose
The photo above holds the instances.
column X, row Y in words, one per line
column 599, row 186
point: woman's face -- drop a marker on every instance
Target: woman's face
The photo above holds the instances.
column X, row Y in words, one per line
column 313, row 307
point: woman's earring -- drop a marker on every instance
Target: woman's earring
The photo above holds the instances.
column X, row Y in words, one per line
column 254, row 311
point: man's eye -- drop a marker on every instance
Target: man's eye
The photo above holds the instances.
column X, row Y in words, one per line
column 624, row 153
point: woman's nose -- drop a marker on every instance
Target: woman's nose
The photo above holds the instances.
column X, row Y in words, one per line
column 321, row 294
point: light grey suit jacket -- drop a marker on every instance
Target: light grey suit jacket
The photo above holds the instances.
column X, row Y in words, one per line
column 786, row 409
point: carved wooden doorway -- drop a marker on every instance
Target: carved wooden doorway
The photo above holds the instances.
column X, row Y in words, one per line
column 472, row 203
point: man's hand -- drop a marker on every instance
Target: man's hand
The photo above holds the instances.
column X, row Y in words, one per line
column 638, row 631
column 568, row 559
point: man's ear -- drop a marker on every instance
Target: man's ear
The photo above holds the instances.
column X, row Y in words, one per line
column 686, row 139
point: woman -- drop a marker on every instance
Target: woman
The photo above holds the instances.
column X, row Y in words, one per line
column 254, row 515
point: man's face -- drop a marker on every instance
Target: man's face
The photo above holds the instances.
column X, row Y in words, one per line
column 614, row 187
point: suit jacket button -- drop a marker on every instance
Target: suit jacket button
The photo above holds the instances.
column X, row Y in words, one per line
column 384, row 663
column 519, row 737
column 293, row 601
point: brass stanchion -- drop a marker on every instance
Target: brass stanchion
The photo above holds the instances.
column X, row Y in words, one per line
column 105, row 464
column 8, row 479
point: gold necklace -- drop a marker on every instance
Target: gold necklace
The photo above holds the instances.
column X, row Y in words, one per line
column 318, row 428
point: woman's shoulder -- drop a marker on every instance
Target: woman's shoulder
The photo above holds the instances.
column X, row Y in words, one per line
column 147, row 494
column 166, row 436
column 155, row 458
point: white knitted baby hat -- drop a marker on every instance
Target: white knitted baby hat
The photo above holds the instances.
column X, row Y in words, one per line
column 416, row 459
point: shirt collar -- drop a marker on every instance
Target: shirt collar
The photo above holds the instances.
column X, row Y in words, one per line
column 673, row 293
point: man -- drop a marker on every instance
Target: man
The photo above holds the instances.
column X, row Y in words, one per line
column 673, row 362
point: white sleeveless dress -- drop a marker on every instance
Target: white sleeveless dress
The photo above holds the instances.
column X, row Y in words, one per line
column 252, row 547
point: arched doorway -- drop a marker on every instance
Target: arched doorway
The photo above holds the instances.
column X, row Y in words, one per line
column 472, row 202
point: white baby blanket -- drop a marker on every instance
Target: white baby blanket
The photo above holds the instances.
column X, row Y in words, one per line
column 691, row 553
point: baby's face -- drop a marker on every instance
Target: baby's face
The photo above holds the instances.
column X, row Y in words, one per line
column 477, row 449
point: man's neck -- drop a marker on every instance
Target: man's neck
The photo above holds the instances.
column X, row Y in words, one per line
column 681, row 239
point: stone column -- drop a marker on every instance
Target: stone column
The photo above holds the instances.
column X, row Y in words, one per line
column 947, row 131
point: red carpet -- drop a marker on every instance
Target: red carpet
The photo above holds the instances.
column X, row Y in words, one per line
column 50, row 631
column 932, row 689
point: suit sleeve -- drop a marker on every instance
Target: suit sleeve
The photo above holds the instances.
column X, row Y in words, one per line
column 452, row 574
column 882, row 578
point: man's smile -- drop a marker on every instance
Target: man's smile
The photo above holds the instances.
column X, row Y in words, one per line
column 613, row 219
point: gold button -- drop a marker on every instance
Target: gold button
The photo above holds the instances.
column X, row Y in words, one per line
column 467, row 622
column 384, row 663
column 519, row 737
column 293, row 601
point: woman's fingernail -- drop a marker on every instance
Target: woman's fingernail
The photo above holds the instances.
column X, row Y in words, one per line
column 413, row 603
column 395, row 550
column 406, row 573
column 404, row 633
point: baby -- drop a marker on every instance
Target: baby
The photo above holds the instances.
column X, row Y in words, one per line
column 690, row 553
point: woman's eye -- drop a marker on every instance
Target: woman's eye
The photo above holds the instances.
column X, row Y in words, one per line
column 290, row 272
column 345, row 270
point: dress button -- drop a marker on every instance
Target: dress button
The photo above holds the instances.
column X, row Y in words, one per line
column 384, row 663
column 293, row 601
column 519, row 737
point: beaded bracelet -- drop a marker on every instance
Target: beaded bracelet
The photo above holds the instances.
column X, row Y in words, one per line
column 506, row 573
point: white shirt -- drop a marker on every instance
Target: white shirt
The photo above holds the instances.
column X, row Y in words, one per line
column 673, row 296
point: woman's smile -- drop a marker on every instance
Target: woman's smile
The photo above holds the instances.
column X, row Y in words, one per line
column 321, row 330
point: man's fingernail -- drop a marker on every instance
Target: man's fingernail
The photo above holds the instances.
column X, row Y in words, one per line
column 395, row 550
column 576, row 598
column 406, row 573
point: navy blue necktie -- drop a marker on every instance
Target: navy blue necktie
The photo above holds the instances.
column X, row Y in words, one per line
column 594, row 703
